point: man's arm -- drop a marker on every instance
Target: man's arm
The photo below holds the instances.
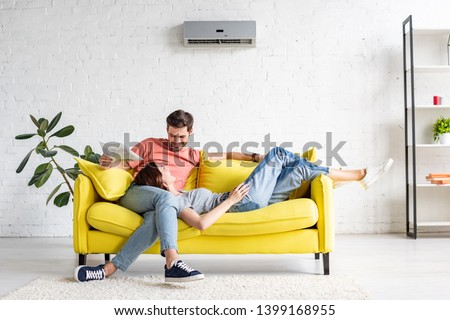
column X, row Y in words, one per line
column 255, row 157
column 108, row 162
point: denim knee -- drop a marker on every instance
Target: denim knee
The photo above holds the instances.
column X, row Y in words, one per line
column 168, row 200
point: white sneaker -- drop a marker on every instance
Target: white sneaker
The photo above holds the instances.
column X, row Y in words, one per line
column 375, row 173
column 337, row 185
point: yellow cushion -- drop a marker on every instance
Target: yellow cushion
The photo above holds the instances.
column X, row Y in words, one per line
column 112, row 218
column 110, row 184
column 279, row 217
column 191, row 182
column 223, row 175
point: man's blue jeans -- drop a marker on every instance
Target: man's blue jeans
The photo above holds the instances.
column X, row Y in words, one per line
column 159, row 209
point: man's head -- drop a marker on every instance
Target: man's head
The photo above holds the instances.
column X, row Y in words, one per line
column 179, row 128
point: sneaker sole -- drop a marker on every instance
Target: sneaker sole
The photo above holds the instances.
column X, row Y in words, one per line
column 75, row 273
column 186, row 279
column 379, row 175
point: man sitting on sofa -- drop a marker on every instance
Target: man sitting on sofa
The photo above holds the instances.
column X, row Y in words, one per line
column 158, row 207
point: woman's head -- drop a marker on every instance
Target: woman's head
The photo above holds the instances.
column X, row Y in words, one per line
column 155, row 175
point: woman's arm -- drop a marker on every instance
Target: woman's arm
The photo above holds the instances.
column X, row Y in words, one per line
column 203, row 221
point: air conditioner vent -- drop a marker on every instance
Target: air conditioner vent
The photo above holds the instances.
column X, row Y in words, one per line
column 220, row 41
column 220, row 33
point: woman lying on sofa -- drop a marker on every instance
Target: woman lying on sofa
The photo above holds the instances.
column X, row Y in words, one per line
column 277, row 175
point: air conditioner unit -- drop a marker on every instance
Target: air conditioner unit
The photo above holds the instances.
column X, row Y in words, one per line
column 220, row 33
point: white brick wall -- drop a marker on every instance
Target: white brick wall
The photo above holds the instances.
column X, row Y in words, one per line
column 119, row 66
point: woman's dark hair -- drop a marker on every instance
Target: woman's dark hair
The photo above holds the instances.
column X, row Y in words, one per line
column 180, row 119
column 150, row 176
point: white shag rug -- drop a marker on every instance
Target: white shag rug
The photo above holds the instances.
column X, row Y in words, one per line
column 213, row 287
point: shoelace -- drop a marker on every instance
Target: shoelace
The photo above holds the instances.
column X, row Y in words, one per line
column 94, row 275
column 180, row 264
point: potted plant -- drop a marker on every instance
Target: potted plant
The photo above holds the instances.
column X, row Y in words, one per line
column 43, row 171
column 441, row 130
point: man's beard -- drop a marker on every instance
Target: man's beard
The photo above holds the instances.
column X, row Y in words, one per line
column 176, row 146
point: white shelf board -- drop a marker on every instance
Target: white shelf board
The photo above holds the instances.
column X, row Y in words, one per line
column 431, row 107
column 430, row 31
column 430, row 185
column 433, row 224
column 431, row 145
column 431, row 69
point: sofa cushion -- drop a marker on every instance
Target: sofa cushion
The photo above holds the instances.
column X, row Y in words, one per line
column 279, row 217
column 283, row 216
column 223, row 175
column 112, row 218
column 110, row 184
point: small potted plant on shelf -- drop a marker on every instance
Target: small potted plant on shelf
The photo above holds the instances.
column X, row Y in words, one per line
column 441, row 130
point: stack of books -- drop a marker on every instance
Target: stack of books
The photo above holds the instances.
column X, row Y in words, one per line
column 439, row 178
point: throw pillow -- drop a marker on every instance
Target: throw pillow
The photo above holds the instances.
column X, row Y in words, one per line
column 111, row 184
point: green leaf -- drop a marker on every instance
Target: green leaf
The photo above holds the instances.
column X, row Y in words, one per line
column 24, row 162
column 73, row 173
column 47, row 154
column 40, row 146
column 34, row 121
column 53, row 192
column 41, row 168
column 25, row 136
column 87, row 151
column 54, row 122
column 62, row 199
column 94, row 158
column 41, row 175
column 45, row 175
column 64, row 132
column 44, row 125
column 68, row 149
column 41, row 133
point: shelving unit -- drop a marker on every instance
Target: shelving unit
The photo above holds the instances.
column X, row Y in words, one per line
column 427, row 205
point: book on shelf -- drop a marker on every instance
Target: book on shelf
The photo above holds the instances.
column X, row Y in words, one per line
column 439, row 178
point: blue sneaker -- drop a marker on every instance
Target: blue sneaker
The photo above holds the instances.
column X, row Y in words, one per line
column 181, row 272
column 86, row 273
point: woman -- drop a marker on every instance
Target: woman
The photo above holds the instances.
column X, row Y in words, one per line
column 278, row 174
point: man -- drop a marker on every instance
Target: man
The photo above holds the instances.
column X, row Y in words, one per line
column 158, row 207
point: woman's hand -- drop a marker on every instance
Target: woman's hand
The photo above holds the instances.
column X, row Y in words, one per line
column 238, row 193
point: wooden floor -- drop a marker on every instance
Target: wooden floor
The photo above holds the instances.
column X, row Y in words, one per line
column 387, row 266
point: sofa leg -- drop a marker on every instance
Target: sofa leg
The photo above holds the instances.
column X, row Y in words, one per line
column 82, row 259
column 326, row 263
column 317, row 256
column 107, row 257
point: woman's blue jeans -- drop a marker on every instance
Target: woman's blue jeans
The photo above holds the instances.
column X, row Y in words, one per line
column 159, row 209
column 275, row 177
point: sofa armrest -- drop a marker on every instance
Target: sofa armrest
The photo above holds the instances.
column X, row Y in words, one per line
column 322, row 195
column 84, row 197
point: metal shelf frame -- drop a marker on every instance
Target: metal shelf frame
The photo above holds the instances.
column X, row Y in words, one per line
column 411, row 146
column 408, row 70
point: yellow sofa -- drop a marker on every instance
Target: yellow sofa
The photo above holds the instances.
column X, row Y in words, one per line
column 302, row 224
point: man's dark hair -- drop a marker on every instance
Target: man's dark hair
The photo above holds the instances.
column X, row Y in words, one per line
column 180, row 119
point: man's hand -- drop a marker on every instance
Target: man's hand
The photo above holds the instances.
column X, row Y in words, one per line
column 105, row 161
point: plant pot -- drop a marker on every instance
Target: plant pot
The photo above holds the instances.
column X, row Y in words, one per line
column 444, row 138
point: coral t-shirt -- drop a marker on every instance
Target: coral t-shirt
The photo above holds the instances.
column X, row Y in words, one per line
column 180, row 162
